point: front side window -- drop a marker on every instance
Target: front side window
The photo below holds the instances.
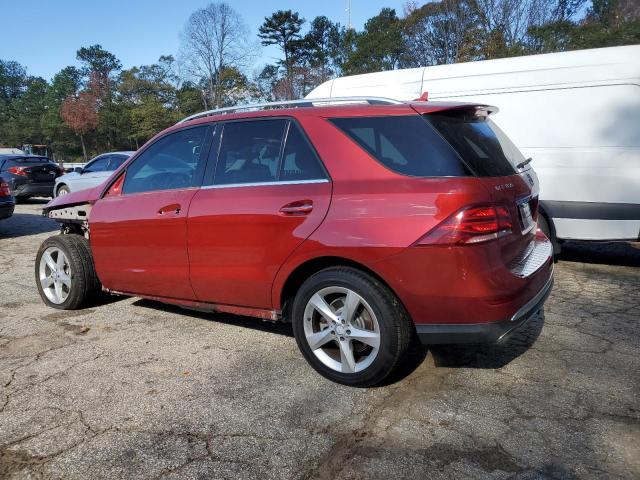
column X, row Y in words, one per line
column 250, row 152
column 98, row 165
column 170, row 163
column 404, row 144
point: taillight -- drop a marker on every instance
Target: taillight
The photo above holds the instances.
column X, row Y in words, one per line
column 470, row 226
column 5, row 191
column 18, row 171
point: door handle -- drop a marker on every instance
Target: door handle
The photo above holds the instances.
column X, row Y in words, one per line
column 173, row 208
column 301, row 207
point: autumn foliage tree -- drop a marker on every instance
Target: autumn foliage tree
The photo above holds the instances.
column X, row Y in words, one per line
column 80, row 114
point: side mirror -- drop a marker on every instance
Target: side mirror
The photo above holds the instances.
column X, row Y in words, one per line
column 78, row 169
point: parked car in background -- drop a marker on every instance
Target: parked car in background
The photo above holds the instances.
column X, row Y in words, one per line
column 93, row 173
column 7, row 202
column 29, row 175
column 575, row 114
column 364, row 223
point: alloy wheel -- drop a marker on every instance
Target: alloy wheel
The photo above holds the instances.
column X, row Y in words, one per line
column 55, row 275
column 341, row 329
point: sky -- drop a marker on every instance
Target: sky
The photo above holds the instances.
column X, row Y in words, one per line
column 44, row 35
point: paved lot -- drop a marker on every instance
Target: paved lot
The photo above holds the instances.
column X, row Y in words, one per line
column 135, row 389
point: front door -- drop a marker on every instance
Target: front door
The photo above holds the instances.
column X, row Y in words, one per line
column 139, row 236
column 269, row 192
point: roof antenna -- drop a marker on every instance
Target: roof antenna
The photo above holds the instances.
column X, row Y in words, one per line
column 349, row 26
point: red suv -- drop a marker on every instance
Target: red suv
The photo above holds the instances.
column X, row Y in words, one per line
column 363, row 222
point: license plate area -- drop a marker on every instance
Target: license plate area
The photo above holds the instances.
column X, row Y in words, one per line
column 526, row 218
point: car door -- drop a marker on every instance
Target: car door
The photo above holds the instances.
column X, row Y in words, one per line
column 138, row 229
column 267, row 193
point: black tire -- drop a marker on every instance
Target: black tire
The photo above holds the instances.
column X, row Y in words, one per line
column 19, row 200
column 85, row 286
column 543, row 224
column 62, row 188
column 396, row 328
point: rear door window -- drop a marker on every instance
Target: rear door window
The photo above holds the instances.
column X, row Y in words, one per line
column 479, row 141
column 250, row 152
column 405, row 144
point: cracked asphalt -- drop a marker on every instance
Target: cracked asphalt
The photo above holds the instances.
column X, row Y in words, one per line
column 136, row 389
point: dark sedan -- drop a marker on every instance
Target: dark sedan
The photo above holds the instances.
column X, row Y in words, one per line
column 29, row 175
column 7, row 203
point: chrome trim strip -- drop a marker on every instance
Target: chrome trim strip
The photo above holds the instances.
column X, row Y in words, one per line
column 539, row 297
column 261, row 184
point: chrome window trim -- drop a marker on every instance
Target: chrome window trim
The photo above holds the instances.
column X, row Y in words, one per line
column 261, row 184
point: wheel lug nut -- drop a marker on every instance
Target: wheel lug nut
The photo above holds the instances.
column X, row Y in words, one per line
column 343, row 322
column 348, row 332
column 342, row 339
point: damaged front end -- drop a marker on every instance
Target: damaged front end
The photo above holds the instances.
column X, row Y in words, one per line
column 72, row 211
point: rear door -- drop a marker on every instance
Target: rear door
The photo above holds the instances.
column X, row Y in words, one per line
column 265, row 194
column 139, row 234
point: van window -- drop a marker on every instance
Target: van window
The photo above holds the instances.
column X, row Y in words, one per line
column 479, row 141
column 250, row 152
column 405, row 144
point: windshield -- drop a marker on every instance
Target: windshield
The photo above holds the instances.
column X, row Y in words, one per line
column 479, row 141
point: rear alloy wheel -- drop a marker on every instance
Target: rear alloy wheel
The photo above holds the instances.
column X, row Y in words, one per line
column 65, row 273
column 349, row 326
column 63, row 190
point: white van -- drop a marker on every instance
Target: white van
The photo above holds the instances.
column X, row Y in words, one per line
column 576, row 114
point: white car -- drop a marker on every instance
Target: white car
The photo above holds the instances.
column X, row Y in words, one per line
column 92, row 174
column 576, row 114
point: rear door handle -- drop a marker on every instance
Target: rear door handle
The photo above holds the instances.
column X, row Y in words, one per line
column 173, row 208
column 301, row 207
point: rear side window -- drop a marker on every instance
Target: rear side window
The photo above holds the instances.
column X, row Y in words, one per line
column 479, row 141
column 299, row 161
column 250, row 152
column 170, row 163
column 405, row 144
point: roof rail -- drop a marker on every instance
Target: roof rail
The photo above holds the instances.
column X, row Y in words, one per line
column 310, row 102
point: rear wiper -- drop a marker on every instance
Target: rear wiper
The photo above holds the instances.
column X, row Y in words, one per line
column 521, row 165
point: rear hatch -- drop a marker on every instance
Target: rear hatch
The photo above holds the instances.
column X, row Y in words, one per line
column 500, row 166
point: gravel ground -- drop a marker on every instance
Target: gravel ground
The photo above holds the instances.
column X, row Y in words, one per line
column 136, row 389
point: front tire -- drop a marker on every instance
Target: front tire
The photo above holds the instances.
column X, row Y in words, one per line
column 65, row 272
column 350, row 327
column 62, row 190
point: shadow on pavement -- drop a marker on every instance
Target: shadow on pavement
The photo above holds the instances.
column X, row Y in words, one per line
column 279, row 328
column 493, row 355
column 24, row 224
column 608, row 253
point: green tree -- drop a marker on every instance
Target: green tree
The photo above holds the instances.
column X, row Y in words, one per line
column 379, row 47
column 282, row 28
column 58, row 135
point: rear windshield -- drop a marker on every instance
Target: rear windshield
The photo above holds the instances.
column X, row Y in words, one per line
column 481, row 144
column 405, row 144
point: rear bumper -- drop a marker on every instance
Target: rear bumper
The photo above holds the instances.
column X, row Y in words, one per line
column 434, row 334
column 33, row 189
column 6, row 209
